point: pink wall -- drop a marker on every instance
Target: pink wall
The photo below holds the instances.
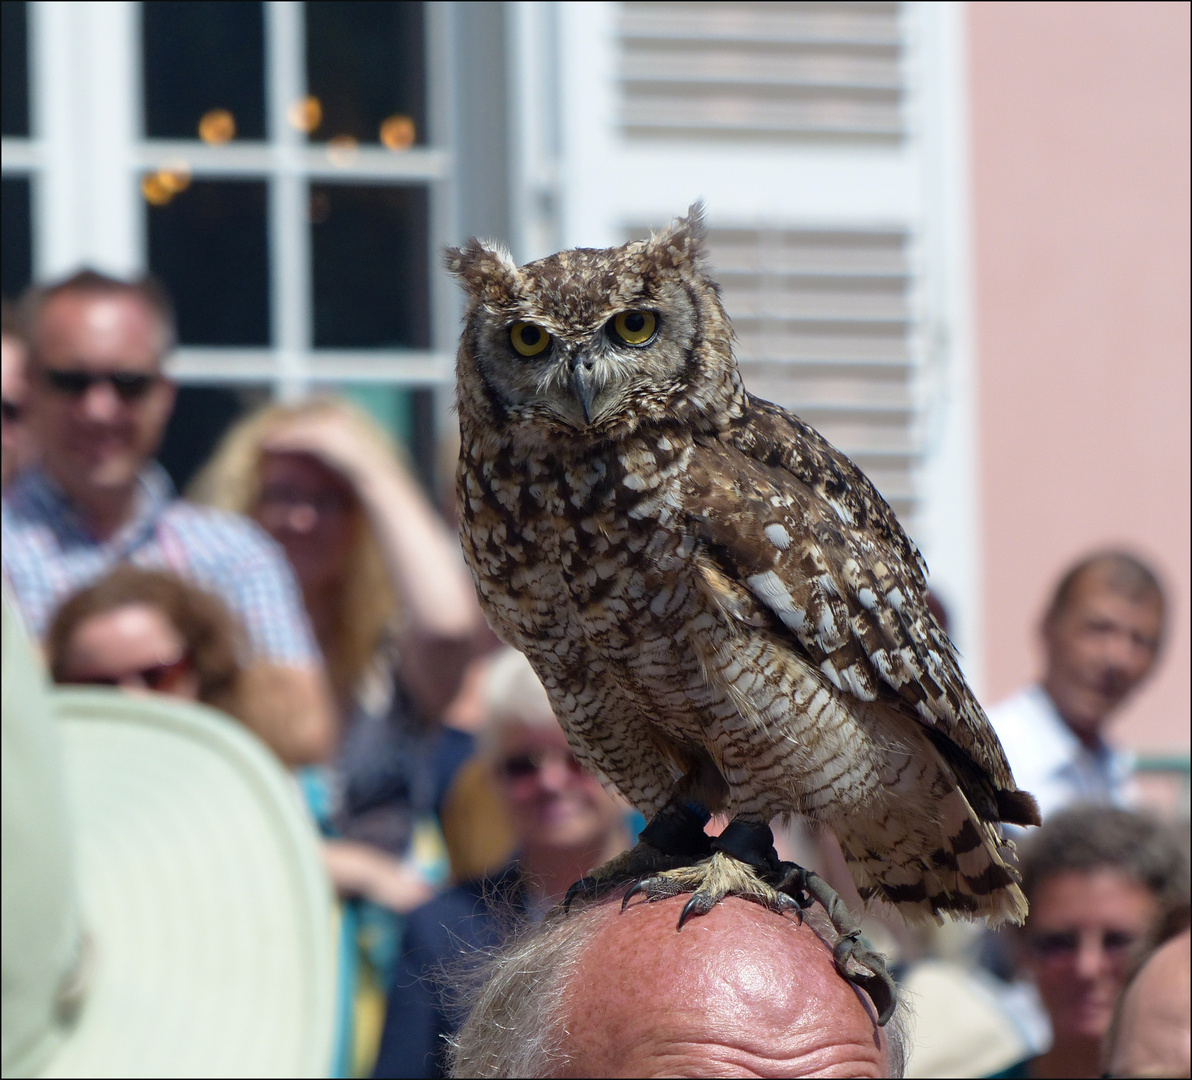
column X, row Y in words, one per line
column 1080, row 143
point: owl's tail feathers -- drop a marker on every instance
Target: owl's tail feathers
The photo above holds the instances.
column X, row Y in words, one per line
column 1018, row 808
column 956, row 865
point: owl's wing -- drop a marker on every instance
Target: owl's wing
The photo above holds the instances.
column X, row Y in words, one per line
column 795, row 537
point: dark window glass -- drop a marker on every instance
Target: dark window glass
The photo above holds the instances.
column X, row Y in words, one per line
column 370, row 274
column 16, row 236
column 208, row 243
column 365, row 66
column 424, row 445
column 204, row 62
column 14, row 58
column 201, row 416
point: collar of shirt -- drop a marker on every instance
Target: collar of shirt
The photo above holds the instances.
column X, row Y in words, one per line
column 43, row 495
column 1056, row 745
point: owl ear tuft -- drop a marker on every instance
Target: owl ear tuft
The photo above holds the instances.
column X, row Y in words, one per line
column 683, row 240
column 485, row 269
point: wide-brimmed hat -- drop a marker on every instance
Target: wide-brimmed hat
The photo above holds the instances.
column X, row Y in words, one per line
column 165, row 908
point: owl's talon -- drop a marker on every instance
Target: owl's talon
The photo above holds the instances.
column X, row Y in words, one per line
column 630, row 893
column 637, row 866
column 807, row 887
column 694, row 906
column 879, row 985
column 587, row 885
column 792, row 882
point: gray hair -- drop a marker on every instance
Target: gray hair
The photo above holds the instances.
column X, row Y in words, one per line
column 516, row 1024
column 512, row 695
column 1090, row 838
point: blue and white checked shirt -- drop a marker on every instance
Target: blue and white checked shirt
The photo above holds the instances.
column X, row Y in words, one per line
column 48, row 554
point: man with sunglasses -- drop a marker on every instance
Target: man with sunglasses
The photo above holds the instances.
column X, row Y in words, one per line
column 97, row 407
column 17, row 451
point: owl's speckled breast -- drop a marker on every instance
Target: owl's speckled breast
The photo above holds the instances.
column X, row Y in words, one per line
column 585, row 565
column 577, row 540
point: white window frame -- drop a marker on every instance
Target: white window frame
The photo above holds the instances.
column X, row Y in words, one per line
column 87, row 153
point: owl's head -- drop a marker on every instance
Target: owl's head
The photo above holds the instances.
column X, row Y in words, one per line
column 595, row 343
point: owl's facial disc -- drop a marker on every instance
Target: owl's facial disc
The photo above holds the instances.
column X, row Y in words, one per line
column 586, row 343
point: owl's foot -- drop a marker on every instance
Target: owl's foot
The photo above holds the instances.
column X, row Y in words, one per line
column 807, row 887
column 675, row 838
column 709, row 882
column 742, row 860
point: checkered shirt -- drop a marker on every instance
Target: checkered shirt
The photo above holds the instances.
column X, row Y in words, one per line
column 48, row 554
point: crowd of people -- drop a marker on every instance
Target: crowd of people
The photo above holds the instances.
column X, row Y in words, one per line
column 307, row 588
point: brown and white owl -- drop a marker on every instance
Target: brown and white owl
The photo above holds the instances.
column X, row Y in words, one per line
column 724, row 611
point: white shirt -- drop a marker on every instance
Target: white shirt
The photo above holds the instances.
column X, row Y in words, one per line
column 1050, row 762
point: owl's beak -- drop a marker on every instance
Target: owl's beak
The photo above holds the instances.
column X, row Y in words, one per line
column 583, row 387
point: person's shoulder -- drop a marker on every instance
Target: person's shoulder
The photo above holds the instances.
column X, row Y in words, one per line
column 218, row 535
column 25, row 503
column 25, row 521
column 462, row 915
column 1020, row 711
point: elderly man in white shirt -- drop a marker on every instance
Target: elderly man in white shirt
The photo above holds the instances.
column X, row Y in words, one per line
column 1101, row 635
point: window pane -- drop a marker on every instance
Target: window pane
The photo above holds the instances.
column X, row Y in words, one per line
column 204, row 64
column 201, row 416
column 365, row 65
column 370, row 275
column 16, row 246
column 208, row 244
column 14, row 60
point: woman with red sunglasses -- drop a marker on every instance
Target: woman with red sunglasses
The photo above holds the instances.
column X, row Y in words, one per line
column 149, row 631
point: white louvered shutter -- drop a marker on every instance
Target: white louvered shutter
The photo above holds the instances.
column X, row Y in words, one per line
column 761, row 70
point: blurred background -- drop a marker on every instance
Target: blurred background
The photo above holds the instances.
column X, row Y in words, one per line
column 954, row 237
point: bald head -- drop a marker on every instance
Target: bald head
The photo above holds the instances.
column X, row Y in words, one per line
column 740, row 991
column 1152, row 1034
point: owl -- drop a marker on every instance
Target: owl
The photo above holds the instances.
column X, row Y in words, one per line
column 725, row 613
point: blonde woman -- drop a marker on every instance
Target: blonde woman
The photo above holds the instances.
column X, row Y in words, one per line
column 391, row 605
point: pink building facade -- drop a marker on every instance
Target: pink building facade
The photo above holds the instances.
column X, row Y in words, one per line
column 1079, row 140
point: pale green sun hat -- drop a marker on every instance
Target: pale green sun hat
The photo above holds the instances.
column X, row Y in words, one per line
column 165, row 908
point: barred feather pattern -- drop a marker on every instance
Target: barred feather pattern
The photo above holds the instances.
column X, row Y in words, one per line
column 719, row 603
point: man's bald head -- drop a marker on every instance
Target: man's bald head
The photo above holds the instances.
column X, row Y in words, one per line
column 740, row 991
column 1152, row 1033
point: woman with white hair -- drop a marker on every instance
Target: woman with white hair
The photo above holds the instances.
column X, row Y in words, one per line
column 565, row 824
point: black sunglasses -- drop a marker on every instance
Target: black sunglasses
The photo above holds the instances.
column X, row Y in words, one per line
column 129, row 385
column 1066, row 943
column 523, row 766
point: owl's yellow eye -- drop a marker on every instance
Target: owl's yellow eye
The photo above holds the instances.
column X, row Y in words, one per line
column 635, row 327
column 528, row 339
